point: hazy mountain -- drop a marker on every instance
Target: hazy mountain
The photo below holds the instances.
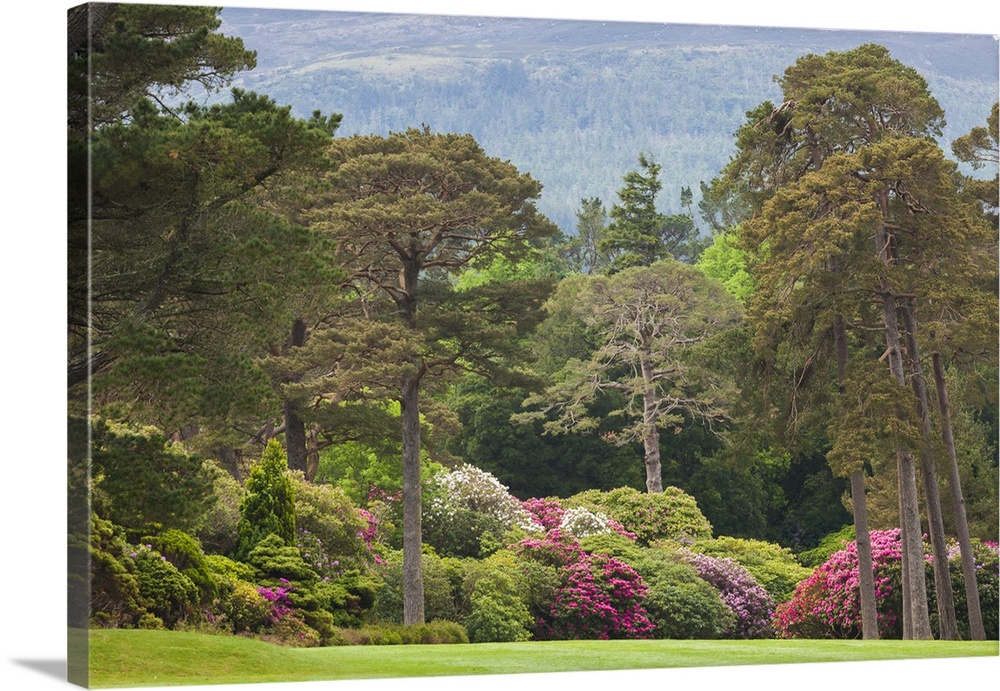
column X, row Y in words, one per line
column 573, row 102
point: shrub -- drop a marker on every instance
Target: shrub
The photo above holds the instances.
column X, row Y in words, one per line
column 268, row 507
column 184, row 552
column 679, row 603
column 668, row 515
column 498, row 614
column 581, row 522
column 746, row 599
column 217, row 531
column 827, row 603
column 247, row 609
column 772, row 566
column 164, row 591
column 987, row 583
column 683, row 606
column 145, row 483
column 468, row 511
column 596, row 596
column 332, row 521
column 439, row 601
column 114, row 589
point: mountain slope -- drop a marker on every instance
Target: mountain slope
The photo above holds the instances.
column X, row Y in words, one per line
column 573, row 102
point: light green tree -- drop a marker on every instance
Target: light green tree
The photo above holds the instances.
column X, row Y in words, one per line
column 648, row 324
column 268, row 507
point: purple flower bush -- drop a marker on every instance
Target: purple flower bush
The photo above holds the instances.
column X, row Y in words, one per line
column 596, row 596
column 746, row 599
column 280, row 605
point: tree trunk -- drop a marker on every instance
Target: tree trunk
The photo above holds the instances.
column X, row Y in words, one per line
column 295, row 426
column 650, row 434
column 942, row 577
column 413, row 579
column 312, row 453
column 226, row 455
column 909, row 512
column 866, row 574
column 976, row 628
column 916, row 618
column 859, row 509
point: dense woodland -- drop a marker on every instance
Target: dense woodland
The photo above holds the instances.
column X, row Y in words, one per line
column 356, row 389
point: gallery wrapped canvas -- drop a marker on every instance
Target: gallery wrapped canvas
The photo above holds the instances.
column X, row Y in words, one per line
column 408, row 345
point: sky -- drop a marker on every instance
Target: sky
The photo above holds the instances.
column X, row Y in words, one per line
column 33, row 649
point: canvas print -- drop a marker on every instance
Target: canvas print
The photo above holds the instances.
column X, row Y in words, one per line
column 413, row 346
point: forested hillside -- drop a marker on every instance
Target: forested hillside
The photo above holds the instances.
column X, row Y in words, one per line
column 560, row 98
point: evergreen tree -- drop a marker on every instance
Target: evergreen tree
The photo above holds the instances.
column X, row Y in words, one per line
column 406, row 212
column 269, row 503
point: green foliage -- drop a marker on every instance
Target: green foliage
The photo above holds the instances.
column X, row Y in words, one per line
column 115, row 599
column 246, row 609
column 638, row 234
column 273, row 560
column 498, row 614
column 351, row 597
column 164, row 591
column 439, row 596
column 329, row 515
column 724, row 261
column 150, row 49
column 144, row 482
column 774, row 567
column 218, row 532
column 668, row 515
column 185, row 553
column 268, row 507
column 433, row 632
column 834, row 542
column 683, row 606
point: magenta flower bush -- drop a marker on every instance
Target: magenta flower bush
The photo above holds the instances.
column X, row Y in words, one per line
column 749, row 602
column 828, row 603
column 596, row 595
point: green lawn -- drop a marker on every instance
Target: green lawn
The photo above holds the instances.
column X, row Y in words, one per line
column 160, row 658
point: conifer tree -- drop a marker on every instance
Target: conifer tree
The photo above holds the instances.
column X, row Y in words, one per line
column 268, row 507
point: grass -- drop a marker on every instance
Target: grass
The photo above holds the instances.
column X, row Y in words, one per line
column 159, row 658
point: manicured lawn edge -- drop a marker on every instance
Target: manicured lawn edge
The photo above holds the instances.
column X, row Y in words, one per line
column 120, row 658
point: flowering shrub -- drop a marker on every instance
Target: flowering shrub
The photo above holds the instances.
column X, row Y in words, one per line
column 469, row 511
column 547, row 513
column 595, row 596
column 987, row 582
column 774, row 567
column 667, row 515
column 581, row 522
column 315, row 554
column 470, row 489
column 828, row 603
column 377, row 528
column 277, row 597
column 332, row 521
column 745, row 598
